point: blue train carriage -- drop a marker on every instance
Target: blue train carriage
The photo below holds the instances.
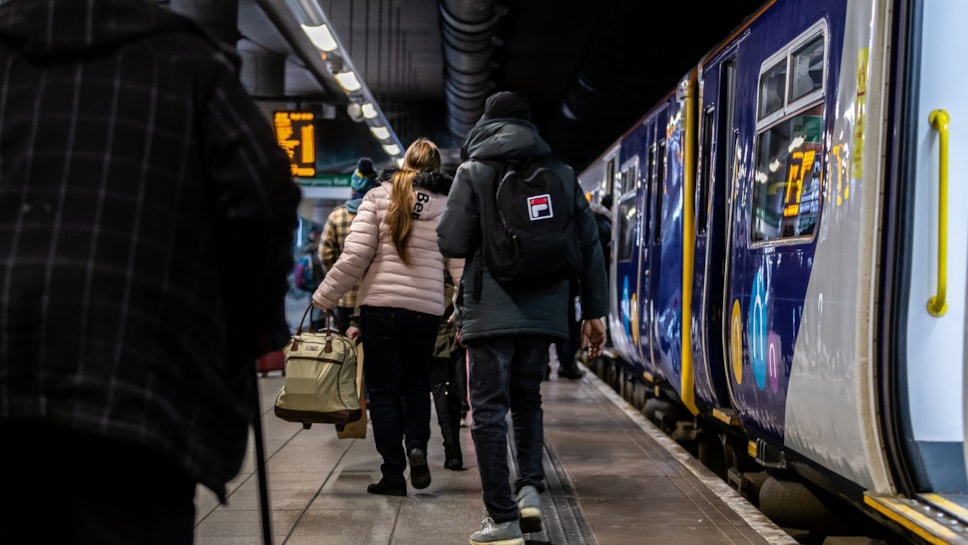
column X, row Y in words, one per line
column 822, row 257
column 645, row 270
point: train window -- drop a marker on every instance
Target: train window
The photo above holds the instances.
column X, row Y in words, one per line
column 786, row 188
column 649, row 191
column 705, row 178
column 807, row 63
column 772, row 89
column 789, row 142
column 630, row 180
column 625, row 214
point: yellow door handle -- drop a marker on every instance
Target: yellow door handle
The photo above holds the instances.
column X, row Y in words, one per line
column 937, row 305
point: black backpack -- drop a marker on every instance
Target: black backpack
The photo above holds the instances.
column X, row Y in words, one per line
column 528, row 234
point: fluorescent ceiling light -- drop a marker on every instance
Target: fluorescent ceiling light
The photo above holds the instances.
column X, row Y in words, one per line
column 348, row 81
column 369, row 110
column 381, row 133
column 321, row 37
column 391, row 149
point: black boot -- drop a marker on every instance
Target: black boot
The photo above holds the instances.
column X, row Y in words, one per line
column 448, row 416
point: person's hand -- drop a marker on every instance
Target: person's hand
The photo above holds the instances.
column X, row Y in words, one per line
column 459, row 340
column 353, row 333
column 593, row 337
column 318, row 301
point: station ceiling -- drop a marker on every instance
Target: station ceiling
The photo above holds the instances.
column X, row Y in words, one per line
column 591, row 68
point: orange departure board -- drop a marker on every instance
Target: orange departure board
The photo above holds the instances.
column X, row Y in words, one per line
column 296, row 134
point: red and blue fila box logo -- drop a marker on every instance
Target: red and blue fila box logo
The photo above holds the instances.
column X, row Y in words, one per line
column 539, row 207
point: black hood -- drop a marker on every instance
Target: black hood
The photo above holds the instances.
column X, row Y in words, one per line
column 64, row 30
column 438, row 182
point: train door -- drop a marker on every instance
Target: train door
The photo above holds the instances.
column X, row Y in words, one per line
column 648, row 257
column 618, row 315
column 626, row 253
column 775, row 216
column 668, row 240
column 931, row 372
column 714, row 181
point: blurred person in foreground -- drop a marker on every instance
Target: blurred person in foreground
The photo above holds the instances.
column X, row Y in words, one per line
column 128, row 327
column 507, row 333
column 391, row 252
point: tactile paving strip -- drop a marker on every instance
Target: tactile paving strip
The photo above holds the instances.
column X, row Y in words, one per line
column 562, row 520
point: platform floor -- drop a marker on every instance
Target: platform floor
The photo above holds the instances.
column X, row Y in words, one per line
column 613, row 479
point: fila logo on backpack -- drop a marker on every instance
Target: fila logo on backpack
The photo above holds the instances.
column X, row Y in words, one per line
column 540, row 207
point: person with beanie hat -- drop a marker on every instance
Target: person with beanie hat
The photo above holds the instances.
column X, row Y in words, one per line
column 507, row 105
column 507, row 334
column 365, row 168
column 337, row 228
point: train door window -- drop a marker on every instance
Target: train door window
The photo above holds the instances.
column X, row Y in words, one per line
column 630, row 178
column 625, row 214
column 727, row 98
column 705, row 178
column 649, row 177
column 789, row 146
column 659, row 189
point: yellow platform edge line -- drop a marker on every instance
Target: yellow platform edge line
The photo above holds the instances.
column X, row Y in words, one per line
column 946, row 505
column 918, row 523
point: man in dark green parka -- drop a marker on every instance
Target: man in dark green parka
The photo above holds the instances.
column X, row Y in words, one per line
column 508, row 333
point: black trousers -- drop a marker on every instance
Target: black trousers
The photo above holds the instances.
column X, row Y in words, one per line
column 75, row 489
column 399, row 348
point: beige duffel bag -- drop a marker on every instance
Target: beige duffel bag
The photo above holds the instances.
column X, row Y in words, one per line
column 320, row 386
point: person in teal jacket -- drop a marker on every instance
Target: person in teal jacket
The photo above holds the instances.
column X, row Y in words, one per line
column 508, row 334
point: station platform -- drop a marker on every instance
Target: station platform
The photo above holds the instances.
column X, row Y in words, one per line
column 613, row 479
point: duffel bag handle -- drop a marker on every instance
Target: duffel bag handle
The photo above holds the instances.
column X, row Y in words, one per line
column 330, row 315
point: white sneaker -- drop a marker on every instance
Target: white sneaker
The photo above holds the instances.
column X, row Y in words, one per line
column 529, row 504
column 493, row 533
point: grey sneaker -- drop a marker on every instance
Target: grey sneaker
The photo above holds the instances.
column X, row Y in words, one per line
column 494, row 533
column 529, row 504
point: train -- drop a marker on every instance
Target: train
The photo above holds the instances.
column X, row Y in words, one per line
column 787, row 277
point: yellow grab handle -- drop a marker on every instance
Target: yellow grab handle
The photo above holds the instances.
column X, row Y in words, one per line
column 937, row 305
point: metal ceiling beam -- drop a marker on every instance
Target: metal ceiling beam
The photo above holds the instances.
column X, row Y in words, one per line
column 289, row 28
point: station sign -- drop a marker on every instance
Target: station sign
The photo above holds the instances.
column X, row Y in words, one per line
column 296, row 134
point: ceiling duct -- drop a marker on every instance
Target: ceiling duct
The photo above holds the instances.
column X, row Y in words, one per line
column 467, row 28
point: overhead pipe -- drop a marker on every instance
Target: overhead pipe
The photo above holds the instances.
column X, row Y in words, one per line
column 468, row 27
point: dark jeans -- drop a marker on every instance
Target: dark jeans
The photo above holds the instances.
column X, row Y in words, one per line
column 76, row 489
column 399, row 345
column 566, row 349
column 505, row 374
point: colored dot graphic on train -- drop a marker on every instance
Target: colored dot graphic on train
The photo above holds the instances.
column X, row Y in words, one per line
column 773, row 359
column 757, row 330
column 626, row 319
column 736, row 342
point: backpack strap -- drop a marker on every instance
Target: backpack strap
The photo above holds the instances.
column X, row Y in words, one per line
column 500, row 169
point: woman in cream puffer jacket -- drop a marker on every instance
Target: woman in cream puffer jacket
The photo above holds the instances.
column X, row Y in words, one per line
column 392, row 251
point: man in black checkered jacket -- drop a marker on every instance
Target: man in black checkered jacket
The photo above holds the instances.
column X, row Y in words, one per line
column 146, row 220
